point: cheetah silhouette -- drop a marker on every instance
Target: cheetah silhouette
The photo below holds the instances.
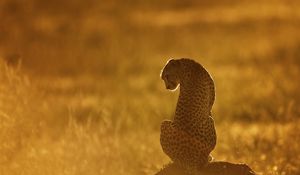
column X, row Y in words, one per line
column 189, row 139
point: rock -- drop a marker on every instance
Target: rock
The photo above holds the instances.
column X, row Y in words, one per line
column 213, row 168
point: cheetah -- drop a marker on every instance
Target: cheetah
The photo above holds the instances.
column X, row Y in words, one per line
column 189, row 139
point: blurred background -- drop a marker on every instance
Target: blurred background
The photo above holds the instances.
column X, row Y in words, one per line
column 80, row 91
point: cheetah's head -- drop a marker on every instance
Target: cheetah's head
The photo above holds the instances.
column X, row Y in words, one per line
column 170, row 74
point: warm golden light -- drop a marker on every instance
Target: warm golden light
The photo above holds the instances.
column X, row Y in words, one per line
column 80, row 91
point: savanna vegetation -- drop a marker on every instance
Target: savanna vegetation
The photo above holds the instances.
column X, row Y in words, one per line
column 80, row 91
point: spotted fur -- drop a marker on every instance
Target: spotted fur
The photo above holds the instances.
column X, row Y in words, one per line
column 191, row 136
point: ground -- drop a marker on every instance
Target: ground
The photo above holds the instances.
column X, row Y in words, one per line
column 87, row 98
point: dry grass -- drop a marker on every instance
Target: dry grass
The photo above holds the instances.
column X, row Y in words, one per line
column 88, row 98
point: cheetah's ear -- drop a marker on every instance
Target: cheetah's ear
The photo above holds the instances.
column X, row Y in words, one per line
column 174, row 62
column 171, row 60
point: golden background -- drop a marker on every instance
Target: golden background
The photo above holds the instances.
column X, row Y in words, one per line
column 80, row 91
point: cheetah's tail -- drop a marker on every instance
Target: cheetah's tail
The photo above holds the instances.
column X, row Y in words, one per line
column 210, row 158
